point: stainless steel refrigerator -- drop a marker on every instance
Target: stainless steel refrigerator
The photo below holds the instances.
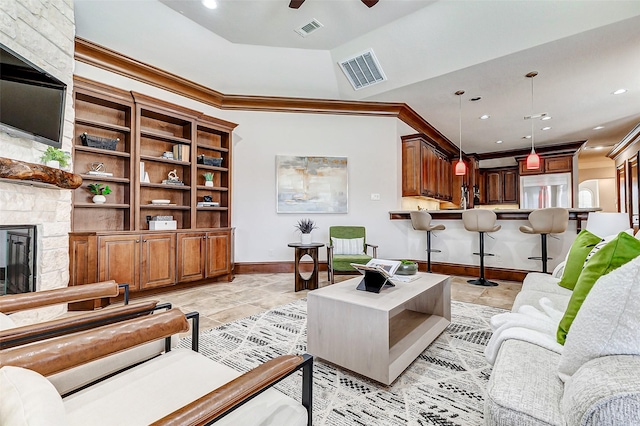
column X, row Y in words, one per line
column 541, row 191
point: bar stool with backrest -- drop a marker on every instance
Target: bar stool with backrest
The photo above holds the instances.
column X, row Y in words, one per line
column 552, row 220
column 481, row 221
column 421, row 221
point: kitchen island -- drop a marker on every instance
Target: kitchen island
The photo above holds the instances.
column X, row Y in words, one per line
column 511, row 248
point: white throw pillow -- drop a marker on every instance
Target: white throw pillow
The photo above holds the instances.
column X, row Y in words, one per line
column 6, row 322
column 29, row 399
column 608, row 321
column 347, row 245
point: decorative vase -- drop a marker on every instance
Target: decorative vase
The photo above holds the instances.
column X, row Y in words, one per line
column 407, row 269
column 54, row 164
column 99, row 199
column 208, row 183
column 305, row 238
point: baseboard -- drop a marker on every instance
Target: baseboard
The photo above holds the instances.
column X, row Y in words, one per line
column 437, row 267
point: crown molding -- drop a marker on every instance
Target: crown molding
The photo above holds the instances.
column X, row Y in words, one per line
column 110, row 60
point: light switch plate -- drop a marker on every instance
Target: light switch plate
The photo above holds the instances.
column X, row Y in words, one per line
column 375, row 197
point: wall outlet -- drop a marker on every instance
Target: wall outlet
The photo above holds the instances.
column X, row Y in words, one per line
column 375, row 197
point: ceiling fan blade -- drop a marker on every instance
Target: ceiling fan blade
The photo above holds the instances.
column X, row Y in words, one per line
column 369, row 3
column 294, row 4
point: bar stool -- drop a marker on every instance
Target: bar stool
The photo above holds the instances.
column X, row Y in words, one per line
column 552, row 220
column 481, row 221
column 421, row 221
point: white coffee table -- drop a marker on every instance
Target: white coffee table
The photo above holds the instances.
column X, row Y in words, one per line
column 377, row 335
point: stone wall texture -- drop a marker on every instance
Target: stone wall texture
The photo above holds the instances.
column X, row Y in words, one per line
column 42, row 31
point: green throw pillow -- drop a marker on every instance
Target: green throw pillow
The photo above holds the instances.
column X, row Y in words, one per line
column 616, row 253
column 578, row 252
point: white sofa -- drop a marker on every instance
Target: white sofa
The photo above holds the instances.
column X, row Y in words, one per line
column 178, row 387
column 525, row 387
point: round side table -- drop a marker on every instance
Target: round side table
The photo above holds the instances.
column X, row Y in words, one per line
column 311, row 249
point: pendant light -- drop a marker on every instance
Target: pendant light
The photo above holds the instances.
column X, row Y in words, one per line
column 533, row 160
column 461, row 168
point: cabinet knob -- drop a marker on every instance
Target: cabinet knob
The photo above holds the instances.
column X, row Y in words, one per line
column 137, row 241
column 144, row 241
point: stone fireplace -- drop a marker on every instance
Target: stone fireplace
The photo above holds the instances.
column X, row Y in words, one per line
column 43, row 33
column 17, row 259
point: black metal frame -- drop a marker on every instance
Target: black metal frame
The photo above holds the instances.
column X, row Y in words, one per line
column 126, row 292
column 482, row 281
column 307, row 389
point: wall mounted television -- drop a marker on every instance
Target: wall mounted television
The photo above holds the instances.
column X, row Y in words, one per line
column 32, row 101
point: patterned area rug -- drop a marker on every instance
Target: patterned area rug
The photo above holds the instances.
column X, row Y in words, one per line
column 443, row 386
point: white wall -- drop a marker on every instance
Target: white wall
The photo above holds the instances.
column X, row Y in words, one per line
column 371, row 144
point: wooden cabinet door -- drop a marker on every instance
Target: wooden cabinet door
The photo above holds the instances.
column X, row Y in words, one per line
column 119, row 259
column 510, row 186
column 522, row 167
column 158, row 260
column 560, row 164
column 634, row 189
column 411, row 168
column 494, row 187
column 191, row 256
column 218, row 254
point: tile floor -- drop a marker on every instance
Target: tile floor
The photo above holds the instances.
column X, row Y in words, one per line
column 219, row 303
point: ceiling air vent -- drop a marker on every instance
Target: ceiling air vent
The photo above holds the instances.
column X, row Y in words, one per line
column 363, row 70
column 307, row 29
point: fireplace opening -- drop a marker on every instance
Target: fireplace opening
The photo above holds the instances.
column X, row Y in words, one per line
column 17, row 259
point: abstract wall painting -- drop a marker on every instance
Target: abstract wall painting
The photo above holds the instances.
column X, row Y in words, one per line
column 312, row 184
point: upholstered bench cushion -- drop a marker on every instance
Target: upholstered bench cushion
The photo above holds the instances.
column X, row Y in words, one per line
column 524, row 394
column 342, row 262
column 160, row 386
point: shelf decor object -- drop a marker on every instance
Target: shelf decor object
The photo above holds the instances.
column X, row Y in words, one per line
column 99, row 142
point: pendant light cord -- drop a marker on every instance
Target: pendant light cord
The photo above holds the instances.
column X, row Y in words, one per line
column 531, row 75
column 460, row 122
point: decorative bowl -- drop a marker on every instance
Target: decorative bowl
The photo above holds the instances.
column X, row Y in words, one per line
column 160, row 201
column 407, row 269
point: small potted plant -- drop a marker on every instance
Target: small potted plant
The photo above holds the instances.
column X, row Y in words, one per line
column 99, row 190
column 407, row 267
column 208, row 179
column 56, row 158
column 305, row 226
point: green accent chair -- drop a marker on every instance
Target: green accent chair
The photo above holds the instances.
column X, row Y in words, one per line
column 341, row 263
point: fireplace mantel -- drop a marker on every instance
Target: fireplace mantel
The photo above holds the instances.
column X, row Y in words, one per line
column 16, row 171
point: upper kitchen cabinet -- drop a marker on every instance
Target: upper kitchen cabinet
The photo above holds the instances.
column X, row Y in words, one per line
column 548, row 164
column 426, row 171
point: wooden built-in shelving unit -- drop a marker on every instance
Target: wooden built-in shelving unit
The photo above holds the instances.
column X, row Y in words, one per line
column 117, row 231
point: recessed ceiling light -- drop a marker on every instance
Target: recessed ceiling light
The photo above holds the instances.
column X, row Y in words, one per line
column 619, row 92
column 498, row 141
column 210, row 4
column 546, row 117
column 484, row 117
column 477, row 98
column 546, row 128
column 598, row 148
column 598, row 127
column 526, row 137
